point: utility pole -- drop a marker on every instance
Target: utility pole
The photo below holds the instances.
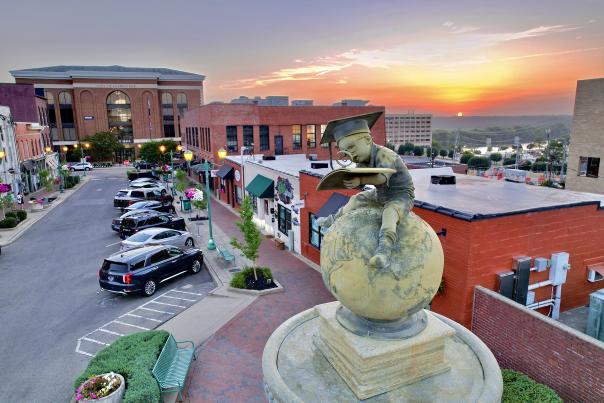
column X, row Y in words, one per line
column 549, row 157
column 564, row 145
column 516, row 145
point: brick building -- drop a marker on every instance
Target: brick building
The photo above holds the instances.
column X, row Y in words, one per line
column 488, row 223
column 273, row 130
column 138, row 104
column 586, row 151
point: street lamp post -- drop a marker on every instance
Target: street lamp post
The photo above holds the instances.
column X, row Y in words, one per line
column 61, row 185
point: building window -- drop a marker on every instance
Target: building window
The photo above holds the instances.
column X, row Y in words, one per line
column 167, row 114
column 296, row 137
column 323, row 131
column 316, row 232
column 181, row 104
column 311, row 136
column 69, row 134
column 284, row 219
column 589, row 166
column 248, row 136
column 66, row 110
column 231, row 134
column 264, row 138
column 119, row 116
column 255, row 204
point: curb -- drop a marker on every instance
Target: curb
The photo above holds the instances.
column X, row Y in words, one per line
column 268, row 291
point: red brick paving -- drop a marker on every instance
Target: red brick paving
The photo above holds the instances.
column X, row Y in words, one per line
column 229, row 366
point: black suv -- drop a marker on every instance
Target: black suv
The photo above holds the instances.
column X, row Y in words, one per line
column 149, row 219
column 142, row 269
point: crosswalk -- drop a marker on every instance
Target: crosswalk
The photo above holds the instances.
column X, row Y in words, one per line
column 147, row 316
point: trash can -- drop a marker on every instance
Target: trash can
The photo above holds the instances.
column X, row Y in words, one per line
column 165, row 177
column 186, row 205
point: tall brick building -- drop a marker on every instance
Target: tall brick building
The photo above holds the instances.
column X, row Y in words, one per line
column 138, row 104
column 273, row 130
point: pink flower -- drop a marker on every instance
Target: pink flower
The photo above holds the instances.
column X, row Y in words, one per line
column 79, row 396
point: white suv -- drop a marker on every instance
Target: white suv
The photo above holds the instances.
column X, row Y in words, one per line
column 81, row 166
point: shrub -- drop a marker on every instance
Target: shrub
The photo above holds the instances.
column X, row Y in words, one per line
column 9, row 222
column 479, row 162
column 133, row 357
column 539, row 166
column 21, row 214
column 465, row 157
column 11, row 214
column 519, row 388
column 240, row 280
column 495, row 157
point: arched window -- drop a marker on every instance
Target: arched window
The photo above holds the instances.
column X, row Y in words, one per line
column 181, row 104
column 52, row 117
column 167, row 114
column 119, row 116
column 66, row 111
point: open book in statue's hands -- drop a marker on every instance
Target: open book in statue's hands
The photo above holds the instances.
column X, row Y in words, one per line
column 335, row 179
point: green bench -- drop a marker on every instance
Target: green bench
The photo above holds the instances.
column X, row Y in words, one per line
column 226, row 254
column 173, row 364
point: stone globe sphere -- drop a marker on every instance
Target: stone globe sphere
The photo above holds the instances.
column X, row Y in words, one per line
column 406, row 287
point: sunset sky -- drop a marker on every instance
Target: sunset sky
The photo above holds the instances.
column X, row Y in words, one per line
column 479, row 57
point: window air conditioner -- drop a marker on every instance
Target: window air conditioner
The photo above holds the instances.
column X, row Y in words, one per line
column 593, row 275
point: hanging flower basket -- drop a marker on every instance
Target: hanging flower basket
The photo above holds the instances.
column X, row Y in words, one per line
column 106, row 388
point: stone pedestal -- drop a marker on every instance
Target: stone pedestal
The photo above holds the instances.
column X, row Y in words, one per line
column 371, row 367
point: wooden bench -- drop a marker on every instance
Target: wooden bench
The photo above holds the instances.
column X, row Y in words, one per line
column 225, row 254
column 173, row 364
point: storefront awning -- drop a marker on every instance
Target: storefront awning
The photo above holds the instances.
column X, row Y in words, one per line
column 225, row 172
column 261, row 187
column 199, row 168
column 336, row 200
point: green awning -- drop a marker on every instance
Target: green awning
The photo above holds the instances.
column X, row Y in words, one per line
column 261, row 187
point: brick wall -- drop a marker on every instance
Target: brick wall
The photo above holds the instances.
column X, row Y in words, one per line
column 551, row 353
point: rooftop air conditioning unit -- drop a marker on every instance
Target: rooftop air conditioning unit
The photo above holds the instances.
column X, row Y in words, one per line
column 312, row 157
column 268, row 157
column 319, row 165
column 442, row 179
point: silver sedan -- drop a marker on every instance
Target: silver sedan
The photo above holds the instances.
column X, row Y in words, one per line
column 159, row 236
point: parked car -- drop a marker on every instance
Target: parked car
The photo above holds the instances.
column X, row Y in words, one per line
column 166, row 206
column 146, row 180
column 126, row 197
column 138, row 222
column 116, row 223
column 80, row 166
column 143, row 269
column 159, row 236
column 144, row 165
column 148, row 185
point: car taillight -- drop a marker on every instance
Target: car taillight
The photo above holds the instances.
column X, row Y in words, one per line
column 131, row 202
column 126, row 278
column 99, row 273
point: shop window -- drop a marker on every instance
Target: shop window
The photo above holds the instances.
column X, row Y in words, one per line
column 248, row 136
column 311, row 136
column 323, row 131
column 231, row 134
column 284, row 218
column 296, row 137
column 167, row 114
column 316, row 232
column 589, row 166
column 255, row 204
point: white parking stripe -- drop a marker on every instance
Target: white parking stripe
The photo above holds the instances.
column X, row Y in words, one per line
column 94, row 341
column 184, row 299
column 187, row 292
column 128, row 324
column 155, row 310
column 111, row 244
column 85, row 353
column 164, row 303
column 110, row 332
column 142, row 317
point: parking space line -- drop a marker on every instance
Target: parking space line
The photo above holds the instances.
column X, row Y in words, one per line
column 184, row 299
column 111, row 244
column 128, row 324
column 187, row 292
column 155, row 310
column 142, row 317
column 85, row 353
column 165, row 303
column 94, row 341
column 110, row 332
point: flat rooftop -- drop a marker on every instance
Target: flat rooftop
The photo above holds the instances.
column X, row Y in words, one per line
column 115, row 71
column 290, row 164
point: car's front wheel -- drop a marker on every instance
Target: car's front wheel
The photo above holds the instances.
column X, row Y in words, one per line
column 86, row 169
column 149, row 288
column 196, row 266
column 190, row 242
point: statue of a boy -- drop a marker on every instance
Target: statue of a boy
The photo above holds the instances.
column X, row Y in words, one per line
column 393, row 191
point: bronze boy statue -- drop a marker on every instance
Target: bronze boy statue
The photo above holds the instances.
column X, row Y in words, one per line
column 393, row 185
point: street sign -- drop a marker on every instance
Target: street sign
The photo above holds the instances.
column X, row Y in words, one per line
column 88, row 117
column 213, row 173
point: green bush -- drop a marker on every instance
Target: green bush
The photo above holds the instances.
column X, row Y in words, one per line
column 539, row 166
column 9, row 222
column 238, row 280
column 133, row 357
column 21, row 214
column 519, row 388
column 479, row 162
column 465, row 157
column 11, row 214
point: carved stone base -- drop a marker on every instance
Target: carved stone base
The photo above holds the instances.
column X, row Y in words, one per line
column 371, row 367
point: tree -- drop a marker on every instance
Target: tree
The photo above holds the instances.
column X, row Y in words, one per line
column 251, row 234
column 495, row 157
column 390, row 146
column 150, row 151
column 479, row 162
column 417, row 150
column 444, row 153
column 539, row 166
column 46, row 179
column 451, row 153
column 509, row 161
column 103, row 146
column 465, row 157
column 181, row 181
column 405, row 149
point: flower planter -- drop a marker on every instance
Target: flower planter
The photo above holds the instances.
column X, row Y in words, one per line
column 115, row 397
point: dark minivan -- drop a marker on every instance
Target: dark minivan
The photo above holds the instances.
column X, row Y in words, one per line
column 143, row 269
column 149, row 219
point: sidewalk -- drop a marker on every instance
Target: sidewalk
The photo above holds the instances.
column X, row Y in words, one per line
column 229, row 364
column 8, row 236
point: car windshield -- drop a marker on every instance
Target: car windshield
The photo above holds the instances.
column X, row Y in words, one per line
column 140, row 237
column 137, row 205
column 115, row 266
column 122, row 193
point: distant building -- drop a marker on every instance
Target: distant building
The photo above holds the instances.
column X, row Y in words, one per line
column 586, row 154
column 351, row 102
column 413, row 128
column 9, row 165
column 271, row 100
column 302, row 102
column 138, row 104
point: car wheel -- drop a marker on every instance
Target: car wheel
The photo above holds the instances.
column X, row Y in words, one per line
column 172, row 210
column 190, row 242
column 122, row 236
column 196, row 266
column 86, row 169
column 72, row 169
column 149, row 288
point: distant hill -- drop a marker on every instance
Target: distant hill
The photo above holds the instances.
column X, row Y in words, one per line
column 482, row 122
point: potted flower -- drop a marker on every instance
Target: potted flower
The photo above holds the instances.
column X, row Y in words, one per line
column 107, row 388
column 197, row 198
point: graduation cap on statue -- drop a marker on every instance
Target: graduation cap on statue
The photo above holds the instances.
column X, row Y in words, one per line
column 339, row 128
